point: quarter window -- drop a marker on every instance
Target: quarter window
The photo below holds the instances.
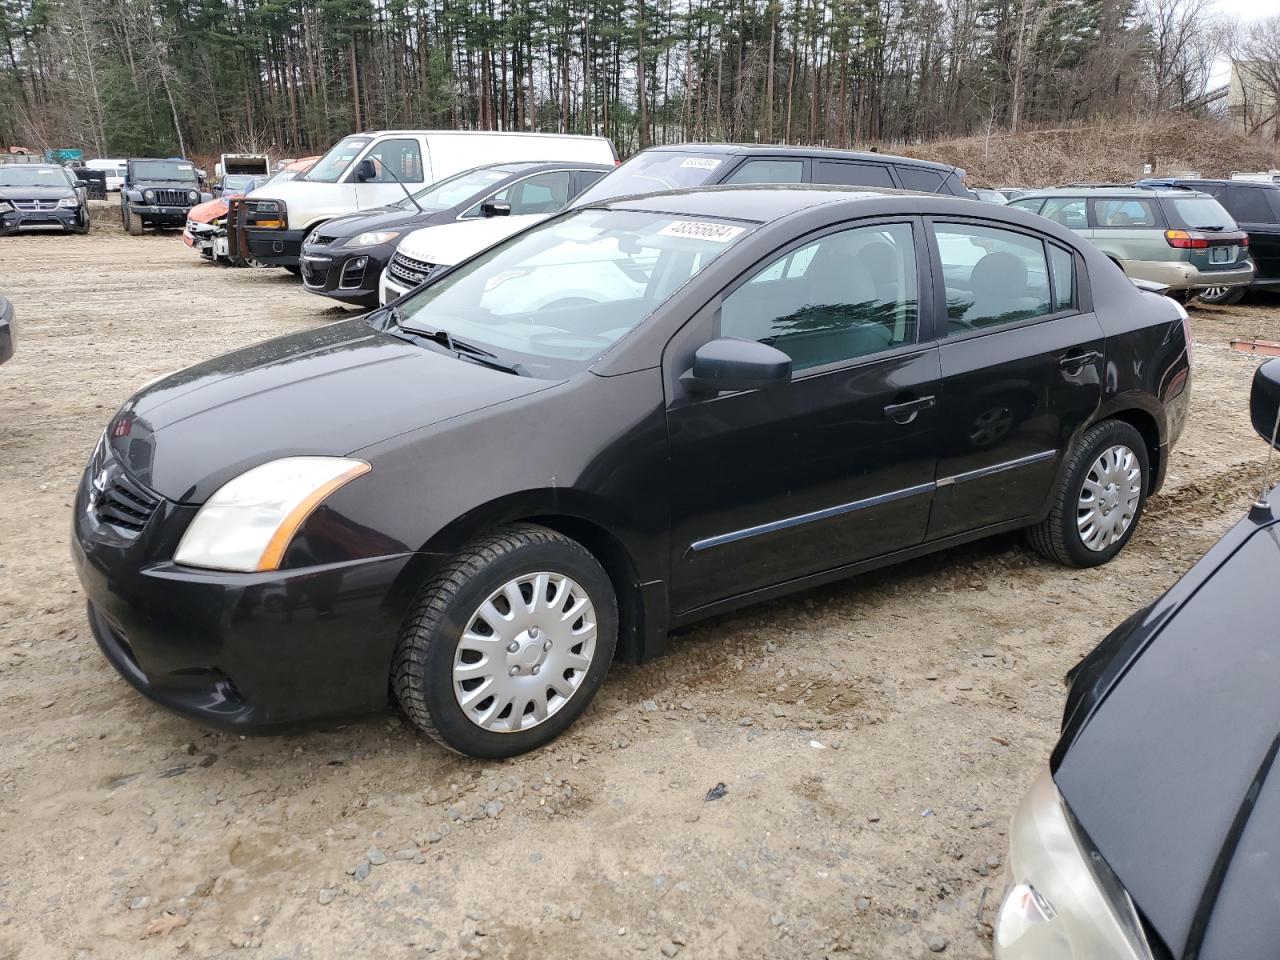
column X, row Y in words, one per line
column 847, row 295
column 768, row 171
column 914, row 178
column 401, row 157
column 1068, row 211
column 1124, row 213
column 1063, row 266
column 993, row 276
column 853, row 174
column 1031, row 206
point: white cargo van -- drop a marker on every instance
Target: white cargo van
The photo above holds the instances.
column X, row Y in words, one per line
column 369, row 170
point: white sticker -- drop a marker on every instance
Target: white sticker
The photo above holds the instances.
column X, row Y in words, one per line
column 184, row 166
column 700, row 163
column 702, row 230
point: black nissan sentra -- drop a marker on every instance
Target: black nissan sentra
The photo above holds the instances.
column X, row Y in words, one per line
column 627, row 418
column 1155, row 830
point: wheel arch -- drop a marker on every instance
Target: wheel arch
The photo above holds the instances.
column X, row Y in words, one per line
column 1149, row 426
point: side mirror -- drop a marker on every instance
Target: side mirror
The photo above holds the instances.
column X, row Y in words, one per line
column 1264, row 399
column 731, row 363
column 365, row 170
column 495, row 208
column 82, row 183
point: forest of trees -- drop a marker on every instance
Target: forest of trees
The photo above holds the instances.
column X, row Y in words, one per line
column 137, row 77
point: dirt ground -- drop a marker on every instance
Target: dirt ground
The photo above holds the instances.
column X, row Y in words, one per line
column 873, row 736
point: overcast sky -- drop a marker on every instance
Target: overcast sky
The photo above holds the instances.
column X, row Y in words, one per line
column 1242, row 10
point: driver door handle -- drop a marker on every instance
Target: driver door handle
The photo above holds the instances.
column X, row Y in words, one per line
column 1078, row 358
column 908, row 410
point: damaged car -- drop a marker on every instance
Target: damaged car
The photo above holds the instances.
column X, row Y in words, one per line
column 206, row 227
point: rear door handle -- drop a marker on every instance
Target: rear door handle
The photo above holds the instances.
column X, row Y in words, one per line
column 1078, row 358
column 908, row 410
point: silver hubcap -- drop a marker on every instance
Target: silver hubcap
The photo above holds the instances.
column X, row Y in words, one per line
column 1109, row 497
column 1213, row 293
column 525, row 652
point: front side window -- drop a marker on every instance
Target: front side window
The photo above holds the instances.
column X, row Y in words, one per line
column 768, row 171
column 334, row 163
column 1068, row 211
column 993, row 276
column 541, row 193
column 451, row 191
column 556, row 296
column 847, row 295
column 396, row 160
column 1124, row 213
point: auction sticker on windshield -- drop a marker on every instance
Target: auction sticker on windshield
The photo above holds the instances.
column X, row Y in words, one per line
column 702, row 230
column 700, row 163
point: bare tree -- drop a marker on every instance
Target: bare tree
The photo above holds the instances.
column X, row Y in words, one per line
column 1182, row 44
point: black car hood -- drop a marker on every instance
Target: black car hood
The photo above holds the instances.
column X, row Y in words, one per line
column 382, row 218
column 36, row 193
column 1166, row 756
column 323, row 392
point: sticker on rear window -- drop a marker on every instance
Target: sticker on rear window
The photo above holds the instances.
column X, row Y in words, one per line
column 184, row 166
column 702, row 230
column 700, row 163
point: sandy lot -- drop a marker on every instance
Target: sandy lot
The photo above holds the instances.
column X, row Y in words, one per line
column 873, row 735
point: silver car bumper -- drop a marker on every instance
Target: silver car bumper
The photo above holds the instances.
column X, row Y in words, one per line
column 1183, row 276
column 1062, row 902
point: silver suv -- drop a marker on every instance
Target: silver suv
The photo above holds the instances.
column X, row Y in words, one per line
column 1181, row 238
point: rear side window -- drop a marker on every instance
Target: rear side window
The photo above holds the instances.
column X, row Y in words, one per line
column 1063, row 267
column 993, row 276
column 848, row 295
column 917, row 178
column 768, row 171
column 852, row 174
column 1197, row 213
column 1124, row 212
column 1248, row 204
column 1068, row 211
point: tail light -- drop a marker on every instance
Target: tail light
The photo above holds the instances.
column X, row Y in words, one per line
column 1184, row 240
column 1244, row 241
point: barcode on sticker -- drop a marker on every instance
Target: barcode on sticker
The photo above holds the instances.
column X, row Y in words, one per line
column 700, row 163
column 702, row 230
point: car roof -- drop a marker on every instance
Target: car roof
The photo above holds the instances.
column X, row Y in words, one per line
column 1109, row 191
column 1224, row 182
column 763, row 201
column 33, row 166
column 774, row 150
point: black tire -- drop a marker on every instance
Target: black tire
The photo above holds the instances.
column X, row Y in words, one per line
column 1223, row 296
column 422, row 671
column 1058, row 536
column 85, row 226
column 294, row 268
column 133, row 223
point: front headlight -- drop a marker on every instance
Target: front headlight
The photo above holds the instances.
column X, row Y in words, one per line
column 150, row 195
column 373, row 238
column 69, row 203
column 248, row 523
column 193, row 196
column 6, row 206
column 266, row 214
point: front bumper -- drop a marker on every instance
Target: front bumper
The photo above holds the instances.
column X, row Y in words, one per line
column 64, row 217
column 347, row 274
column 389, row 289
column 200, row 237
column 1177, row 275
column 1048, row 865
column 251, row 652
column 163, row 216
column 275, row 248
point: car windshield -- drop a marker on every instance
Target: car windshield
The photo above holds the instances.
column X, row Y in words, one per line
column 237, row 183
column 162, row 170
column 1198, row 213
column 653, row 170
column 554, row 297
column 334, row 163
column 12, row 175
column 455, row 190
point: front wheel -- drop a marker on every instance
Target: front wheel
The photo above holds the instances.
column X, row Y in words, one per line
column 133, row 223
column 1223, row 296
column 1099, row 499
column 505, row 647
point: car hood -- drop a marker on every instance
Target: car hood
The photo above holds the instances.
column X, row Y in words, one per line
column 380, row 218
column 323, row 392
column 451, row 243
column 35, row 193
column 1166, row 757
column 209, row 211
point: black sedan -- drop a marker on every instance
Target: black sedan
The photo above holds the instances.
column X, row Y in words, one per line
column 629, row 417
column 41, row 195
column 1155, row 831
column 344, row 258
column 8, row 329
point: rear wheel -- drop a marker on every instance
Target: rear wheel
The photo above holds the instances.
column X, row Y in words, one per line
column 1099, row 499
column 505, row 647
column 1223, row 296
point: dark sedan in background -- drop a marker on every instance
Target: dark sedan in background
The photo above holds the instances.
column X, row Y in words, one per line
column 632, row 416
column 41, row 195
column 344, row 258
column 1155, row 831
column 8, row 329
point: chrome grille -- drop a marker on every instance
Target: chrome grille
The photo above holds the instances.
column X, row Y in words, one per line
column 172, row 198
column 36, row 205
column 115, row 497
column 411, row 271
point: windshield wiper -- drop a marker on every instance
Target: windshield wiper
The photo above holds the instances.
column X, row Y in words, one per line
column 460, row 348
column 1216, row 229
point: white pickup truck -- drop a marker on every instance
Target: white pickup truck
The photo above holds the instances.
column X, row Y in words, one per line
column 373, row 169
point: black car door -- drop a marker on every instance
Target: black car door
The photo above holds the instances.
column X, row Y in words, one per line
column 836, row 465
column 1022, row 361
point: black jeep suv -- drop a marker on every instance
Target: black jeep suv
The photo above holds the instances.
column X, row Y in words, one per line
column 158, row 193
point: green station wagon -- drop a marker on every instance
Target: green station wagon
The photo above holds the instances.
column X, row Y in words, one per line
column 1177, row 237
